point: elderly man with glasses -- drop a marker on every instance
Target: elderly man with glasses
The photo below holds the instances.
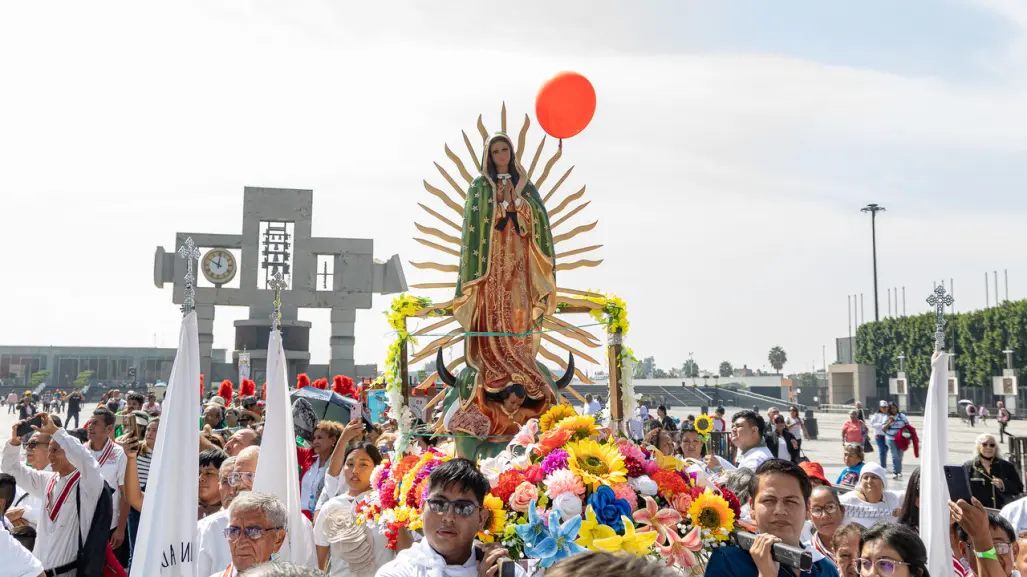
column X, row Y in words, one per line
column 232, row 481
column 257, row 524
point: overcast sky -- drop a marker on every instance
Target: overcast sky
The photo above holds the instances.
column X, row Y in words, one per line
column 733, row 145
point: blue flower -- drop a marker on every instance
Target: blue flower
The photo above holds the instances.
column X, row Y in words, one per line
column 609, row 509
column 558, row 541
column 531, row 531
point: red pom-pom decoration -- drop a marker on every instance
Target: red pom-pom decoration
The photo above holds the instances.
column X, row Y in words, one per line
column 344, row 386
column 321, row 384
column 225, row 390
column 302, row 380
column 247, row 388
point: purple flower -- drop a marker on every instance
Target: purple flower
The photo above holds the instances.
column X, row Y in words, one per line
column 555, row 461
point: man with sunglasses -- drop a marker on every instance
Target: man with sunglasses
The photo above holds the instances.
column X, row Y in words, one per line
column 256, row 530
column 779, row 498
column 452, row 515
column 26, row 507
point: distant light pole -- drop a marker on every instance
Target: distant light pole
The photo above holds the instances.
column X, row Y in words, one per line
column 873, row 209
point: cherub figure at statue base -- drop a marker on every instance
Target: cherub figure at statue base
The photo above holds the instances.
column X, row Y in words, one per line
column 483, row 423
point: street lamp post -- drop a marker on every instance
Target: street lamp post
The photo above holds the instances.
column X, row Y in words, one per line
column 873, row 209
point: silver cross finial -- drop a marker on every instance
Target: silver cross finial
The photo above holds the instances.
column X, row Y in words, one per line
column 277, row 284
column 190, row 253
column 939, row 300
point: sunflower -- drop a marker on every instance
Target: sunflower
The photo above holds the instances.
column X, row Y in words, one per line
column 710, row 511
column 596, row 464
column 497, row 520
column 581, row 426
column 703, row 424
column 555, row 415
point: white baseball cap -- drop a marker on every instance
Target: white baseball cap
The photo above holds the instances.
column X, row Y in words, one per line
column 882, row 404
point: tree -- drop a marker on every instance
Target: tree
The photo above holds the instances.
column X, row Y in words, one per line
column 659, row 374
column 38, row 377
column 83, row 379
column 777, row 357
column 726, row 370
column 690, row 369
column 644, row 368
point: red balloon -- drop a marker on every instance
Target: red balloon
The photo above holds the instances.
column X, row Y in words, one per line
column 565, row 104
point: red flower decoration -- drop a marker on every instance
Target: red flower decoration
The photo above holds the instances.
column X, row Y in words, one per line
column 732, row 501
column 388, row 495
column 634, row 467
column 534, row 474
column 694, row 492
column 668, row 483
column 508, row 482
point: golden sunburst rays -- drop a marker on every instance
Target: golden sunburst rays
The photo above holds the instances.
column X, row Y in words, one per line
column 441, row 232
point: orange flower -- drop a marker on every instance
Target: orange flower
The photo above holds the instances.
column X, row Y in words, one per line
column 553, row 439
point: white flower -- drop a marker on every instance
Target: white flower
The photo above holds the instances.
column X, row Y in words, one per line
column 644, row 485
column 493, row 466
column 568, row 504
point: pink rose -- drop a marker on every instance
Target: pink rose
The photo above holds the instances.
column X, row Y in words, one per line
column 681, row 502
column 534, row 474
column 522, row 497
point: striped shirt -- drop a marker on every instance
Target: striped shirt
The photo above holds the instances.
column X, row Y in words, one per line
column 896, row 426
column 143, row 467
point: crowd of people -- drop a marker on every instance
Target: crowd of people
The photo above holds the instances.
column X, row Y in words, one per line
column 66, row 490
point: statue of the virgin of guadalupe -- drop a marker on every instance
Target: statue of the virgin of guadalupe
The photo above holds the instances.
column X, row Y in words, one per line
column 506, row 285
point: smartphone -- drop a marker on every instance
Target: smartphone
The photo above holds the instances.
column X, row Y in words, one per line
column 26, row 427
column 958, row 482
column 520, row 568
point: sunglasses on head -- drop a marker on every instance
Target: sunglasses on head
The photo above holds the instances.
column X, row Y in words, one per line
column 460, row 508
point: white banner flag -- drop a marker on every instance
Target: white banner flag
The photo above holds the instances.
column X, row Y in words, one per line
column 277, row 470
column 166, row 543
column 934, row 489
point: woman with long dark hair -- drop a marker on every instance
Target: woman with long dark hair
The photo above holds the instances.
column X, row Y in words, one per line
column 355, row 550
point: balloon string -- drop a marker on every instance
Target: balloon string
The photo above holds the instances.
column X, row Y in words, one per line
column 560, row 145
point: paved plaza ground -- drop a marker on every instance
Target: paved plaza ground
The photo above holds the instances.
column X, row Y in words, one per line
column 827, row 449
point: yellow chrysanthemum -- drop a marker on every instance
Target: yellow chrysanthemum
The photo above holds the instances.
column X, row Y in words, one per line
column 554, row 415
column 596, row 464
column 703, row 424
column 580, row 426
column 711, row 511
column 498, row 519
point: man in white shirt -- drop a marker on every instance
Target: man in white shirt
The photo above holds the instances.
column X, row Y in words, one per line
column 877, row 423
column 211, row 542
column 113, row 464
column 592, row 406
column 747, row 435
column 256, row 530
column 74, row 470
column 26, row 507
column 452, row 515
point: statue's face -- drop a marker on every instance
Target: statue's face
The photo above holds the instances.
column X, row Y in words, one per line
column 512, row 403
column 500, row 152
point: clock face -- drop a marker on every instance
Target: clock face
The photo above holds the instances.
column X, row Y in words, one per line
column 218, row 266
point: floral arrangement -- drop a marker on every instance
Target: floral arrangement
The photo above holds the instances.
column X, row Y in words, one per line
column 402, row 307
column 564, row 486
column 397, row 491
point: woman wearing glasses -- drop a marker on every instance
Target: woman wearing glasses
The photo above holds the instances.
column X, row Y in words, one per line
column 993, row 480
column 826, row 513
column 354, row 550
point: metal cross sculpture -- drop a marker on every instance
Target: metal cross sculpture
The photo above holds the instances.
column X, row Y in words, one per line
column 277, row 284
column 190, row 253
column 939, row 300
